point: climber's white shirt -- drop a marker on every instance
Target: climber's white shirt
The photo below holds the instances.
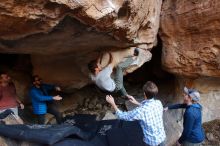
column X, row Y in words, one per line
column 103, row 79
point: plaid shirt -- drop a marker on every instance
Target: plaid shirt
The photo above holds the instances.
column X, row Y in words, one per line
column 150, row 114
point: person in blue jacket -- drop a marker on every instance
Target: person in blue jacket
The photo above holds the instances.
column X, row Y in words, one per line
column 42, row 101
column 193, row 133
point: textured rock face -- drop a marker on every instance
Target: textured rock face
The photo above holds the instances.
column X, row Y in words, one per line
column 190, row 33
column 209, row 89
column 125, row 20
column 191, row 49
column 72, row 32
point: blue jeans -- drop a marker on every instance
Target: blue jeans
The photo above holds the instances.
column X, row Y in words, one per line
column 52, row 109
column 161, row 144
column 186, row 143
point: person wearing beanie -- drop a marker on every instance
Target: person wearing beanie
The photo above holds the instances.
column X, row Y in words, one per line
column 193, row 133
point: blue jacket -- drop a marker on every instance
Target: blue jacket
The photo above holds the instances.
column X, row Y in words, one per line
column 39, row 99
column 192, row 123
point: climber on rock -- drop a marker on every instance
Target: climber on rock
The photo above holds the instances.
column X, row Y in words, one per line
column 103, row 77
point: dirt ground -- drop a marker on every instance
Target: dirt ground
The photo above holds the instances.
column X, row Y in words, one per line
column 212, row 131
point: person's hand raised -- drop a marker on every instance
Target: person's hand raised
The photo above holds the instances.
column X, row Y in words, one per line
column 110, row 99
column 133, row 100
column 21, row 105
column 58, row 97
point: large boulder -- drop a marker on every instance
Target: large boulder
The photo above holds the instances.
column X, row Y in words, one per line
column 190, row 34
column 62, row 36
column 191, row 50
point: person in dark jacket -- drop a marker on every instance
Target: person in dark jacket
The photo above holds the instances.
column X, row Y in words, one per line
column 42, row 102
column 193, row 133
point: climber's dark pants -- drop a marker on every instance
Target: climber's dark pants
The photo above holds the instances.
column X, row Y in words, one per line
column 118, row 78
column 52, row 109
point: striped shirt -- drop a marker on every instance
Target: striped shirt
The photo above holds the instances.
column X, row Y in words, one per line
column 150, row 114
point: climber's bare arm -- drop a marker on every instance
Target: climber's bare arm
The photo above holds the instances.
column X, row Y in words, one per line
column 111, row 63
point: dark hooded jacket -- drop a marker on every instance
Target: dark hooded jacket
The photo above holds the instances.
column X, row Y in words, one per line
column 192, row 124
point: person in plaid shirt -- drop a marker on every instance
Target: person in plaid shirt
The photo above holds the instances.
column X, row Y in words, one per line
column 149, row 112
